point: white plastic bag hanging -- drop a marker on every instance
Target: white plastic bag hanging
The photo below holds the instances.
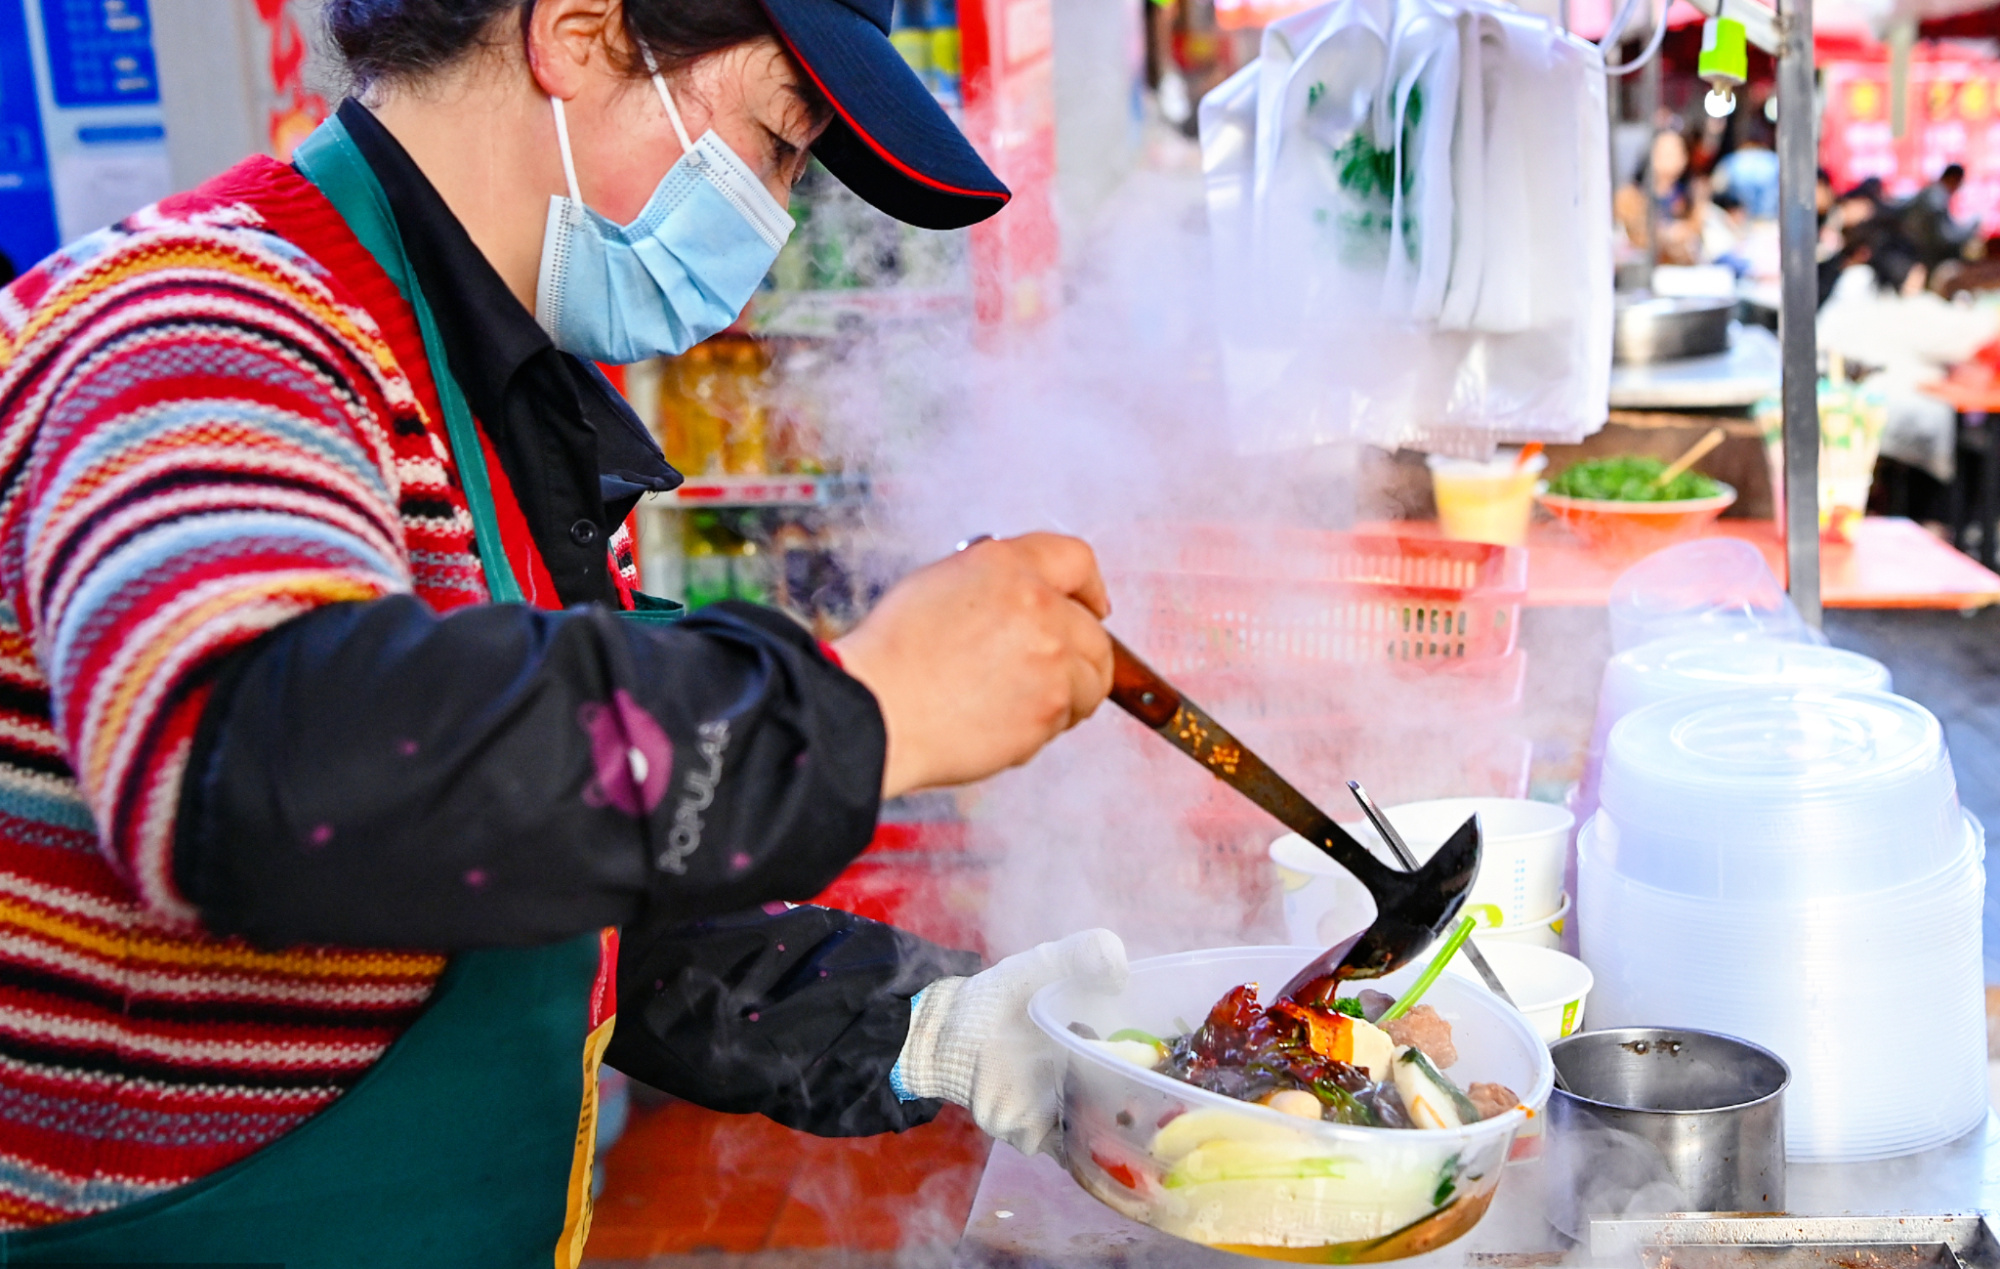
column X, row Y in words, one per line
column 1412, row 255
column 1415, row 121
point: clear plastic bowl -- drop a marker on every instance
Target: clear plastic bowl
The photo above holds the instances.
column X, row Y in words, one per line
column 1793, row 974
column 1248, row 1179
column 1801, row 791
column 1714, row 587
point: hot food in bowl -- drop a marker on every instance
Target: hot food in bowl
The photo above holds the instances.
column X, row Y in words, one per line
column 1307, row 1131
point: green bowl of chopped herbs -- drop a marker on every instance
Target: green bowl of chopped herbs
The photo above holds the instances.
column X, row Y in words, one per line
column 1617, row 507
column 1631, row 479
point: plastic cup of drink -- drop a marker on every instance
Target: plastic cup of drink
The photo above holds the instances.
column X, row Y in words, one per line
column 1489, row 501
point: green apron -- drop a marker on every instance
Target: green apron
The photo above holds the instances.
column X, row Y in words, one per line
column 469, row 1144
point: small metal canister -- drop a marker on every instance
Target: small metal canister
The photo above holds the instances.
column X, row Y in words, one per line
column 1662, row 1119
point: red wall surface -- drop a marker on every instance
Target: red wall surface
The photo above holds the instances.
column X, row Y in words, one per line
column 1953, row 116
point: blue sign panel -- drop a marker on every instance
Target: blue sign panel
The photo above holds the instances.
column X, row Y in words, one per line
column 100, row 52
column 27, row 205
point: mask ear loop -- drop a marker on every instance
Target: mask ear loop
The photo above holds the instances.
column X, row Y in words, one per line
column 562, row 141
column 667, row 100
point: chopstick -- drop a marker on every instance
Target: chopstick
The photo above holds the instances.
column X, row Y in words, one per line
column 1696, row 452
column 1397, row 844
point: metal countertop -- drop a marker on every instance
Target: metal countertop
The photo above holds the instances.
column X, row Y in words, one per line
column 1028, row 1213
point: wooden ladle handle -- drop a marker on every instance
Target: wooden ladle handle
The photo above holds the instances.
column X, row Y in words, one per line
column 1140, row 692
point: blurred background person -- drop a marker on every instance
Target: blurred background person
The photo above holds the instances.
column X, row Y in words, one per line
column 1663, row 188
column 1725, row 226
column 1750, row 171
column 1927, row 223
column 1880, row 315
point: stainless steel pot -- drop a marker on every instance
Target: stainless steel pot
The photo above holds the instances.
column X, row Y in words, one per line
column 1660, row 1119
column 1660, row 328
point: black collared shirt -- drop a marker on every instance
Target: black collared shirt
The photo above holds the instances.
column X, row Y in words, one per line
column 576, row 455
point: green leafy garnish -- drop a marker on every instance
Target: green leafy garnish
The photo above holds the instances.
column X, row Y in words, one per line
column 1143, row 1037
column 1346, row 1108
column 1630, row 479
column 1349, row 1005
column 1447, row 1182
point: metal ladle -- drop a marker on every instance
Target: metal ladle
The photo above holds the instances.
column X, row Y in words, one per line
column 1403, row 852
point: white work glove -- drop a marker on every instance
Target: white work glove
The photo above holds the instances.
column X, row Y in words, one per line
column 972, row 1043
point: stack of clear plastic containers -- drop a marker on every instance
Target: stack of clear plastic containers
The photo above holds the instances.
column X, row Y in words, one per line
column 1793, row 867
column 1691, row 664
column 1688, row 665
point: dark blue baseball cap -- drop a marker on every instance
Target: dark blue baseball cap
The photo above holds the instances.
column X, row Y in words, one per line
column 890, row 141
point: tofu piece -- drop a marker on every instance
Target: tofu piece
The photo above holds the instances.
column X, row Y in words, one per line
column 1344, row 1039
column 1374, row 1050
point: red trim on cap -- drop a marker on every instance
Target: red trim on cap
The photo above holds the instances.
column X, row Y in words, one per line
column 1004, row 197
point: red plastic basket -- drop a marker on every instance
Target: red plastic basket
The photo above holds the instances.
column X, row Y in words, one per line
column 1338, row 694
column 1209, row 597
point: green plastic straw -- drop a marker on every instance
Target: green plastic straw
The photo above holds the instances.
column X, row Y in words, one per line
column 1408, row 1000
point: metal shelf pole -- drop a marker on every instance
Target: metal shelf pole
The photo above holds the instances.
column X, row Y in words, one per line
column 1798, row 239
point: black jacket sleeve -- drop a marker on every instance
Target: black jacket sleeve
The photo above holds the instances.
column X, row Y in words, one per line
column 376, row 775
column 798, row 1014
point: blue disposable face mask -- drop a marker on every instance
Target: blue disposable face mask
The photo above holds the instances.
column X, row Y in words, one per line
column 680, row 272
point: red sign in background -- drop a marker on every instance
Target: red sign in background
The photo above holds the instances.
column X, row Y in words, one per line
column 1953, row 116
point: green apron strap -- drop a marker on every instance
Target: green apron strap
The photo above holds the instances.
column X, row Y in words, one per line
column 330, row 159
column 465, row 1147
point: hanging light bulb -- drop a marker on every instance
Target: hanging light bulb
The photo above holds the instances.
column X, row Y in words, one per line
column 1724, row 63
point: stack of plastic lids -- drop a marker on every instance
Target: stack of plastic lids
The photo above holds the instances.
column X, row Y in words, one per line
column 1793, row 867
column 1689, row 665
column 1701, row 617
column 1719, row 588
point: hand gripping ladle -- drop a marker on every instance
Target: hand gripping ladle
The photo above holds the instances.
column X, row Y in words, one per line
column 1411, row 908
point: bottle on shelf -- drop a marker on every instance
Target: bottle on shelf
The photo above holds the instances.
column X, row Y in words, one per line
column 746, row 444
column 752, row 567
column 689, row 431
column 708, row 546
column 910, row 32
column 945, row 54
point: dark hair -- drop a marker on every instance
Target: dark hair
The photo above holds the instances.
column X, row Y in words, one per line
column 1725, row 200
column 407, row 39
column 1892, row 263
column 1870, row 189
column 1956, row 172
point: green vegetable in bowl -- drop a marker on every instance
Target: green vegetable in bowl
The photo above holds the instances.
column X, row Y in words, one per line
column 1630, row 479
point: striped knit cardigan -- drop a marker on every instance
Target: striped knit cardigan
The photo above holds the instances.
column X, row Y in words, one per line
column 214, row 417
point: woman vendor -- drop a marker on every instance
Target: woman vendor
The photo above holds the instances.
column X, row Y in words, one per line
column 347, row 786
